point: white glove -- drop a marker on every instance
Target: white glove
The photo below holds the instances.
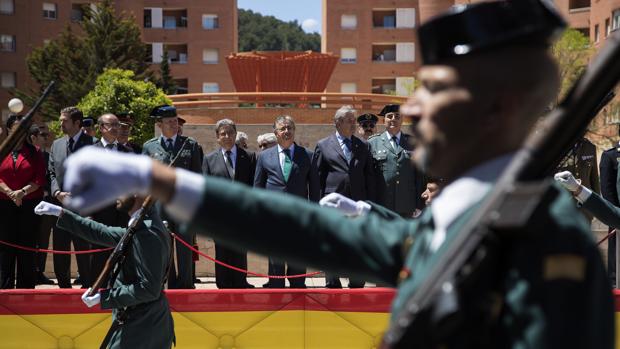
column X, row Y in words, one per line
column 46, row 208
column 345, row 205
column 92, row 300
column 567, row 180
column 96, row 177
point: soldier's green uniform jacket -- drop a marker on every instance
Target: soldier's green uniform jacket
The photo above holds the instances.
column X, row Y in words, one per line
column 400, row 184
column 190, row 157
column 139, row 285
column 557, row 293
column 603, row 210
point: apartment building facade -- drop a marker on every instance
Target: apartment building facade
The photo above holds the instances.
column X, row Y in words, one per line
column 376, row 42
column 197, row 36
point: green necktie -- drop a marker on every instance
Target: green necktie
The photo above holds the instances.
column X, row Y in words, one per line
column 288, row 164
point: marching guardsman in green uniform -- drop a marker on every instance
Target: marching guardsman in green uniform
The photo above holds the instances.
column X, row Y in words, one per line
column 487, row 76
column 141, row 315
column 400, row 183
column 186, row 154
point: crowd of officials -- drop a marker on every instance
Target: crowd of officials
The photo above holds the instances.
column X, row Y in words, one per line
column 355, row 161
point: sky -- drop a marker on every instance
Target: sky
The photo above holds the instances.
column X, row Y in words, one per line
column 306, row 12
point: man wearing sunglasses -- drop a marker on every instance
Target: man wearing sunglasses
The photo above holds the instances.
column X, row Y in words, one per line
column 400, row 185
column 366, row 125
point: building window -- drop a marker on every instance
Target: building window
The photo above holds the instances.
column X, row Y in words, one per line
column 210, row 56
column 384, row 18
column 176, row 53
column 405, row 52
column 348, row 87
column 348, row 21
column 49, row 10
column 210, row 22
column 405, row 18
column 596, row 33
column 615, row 21
column 153, row 17
column 210, row 87
column 607, row 27
column 7, row 43
column 578, row 4
column 7, row 7
column 404, row 85
column 348, row 55
column 8, row 79
column 383, row 52
column 384, row 85
column 181, row 86
column 78, row 11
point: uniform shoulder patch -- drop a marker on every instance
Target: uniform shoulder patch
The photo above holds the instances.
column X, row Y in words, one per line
column 564, row 266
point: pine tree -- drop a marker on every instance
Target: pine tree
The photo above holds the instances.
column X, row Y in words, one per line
column 166, row 82
column 105, row 40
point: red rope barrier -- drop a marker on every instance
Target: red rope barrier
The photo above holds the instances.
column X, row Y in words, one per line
column 239, row 269
column 611, row 233
column 31, row 249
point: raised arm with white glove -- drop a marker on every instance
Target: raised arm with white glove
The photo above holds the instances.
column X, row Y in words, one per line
column 96, row 178
column 568, row 181
column 345, row 205
column 46, row 208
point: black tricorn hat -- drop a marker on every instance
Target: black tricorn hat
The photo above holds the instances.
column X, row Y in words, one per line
column 125, row 118
column 367, row 117
column 466, row 29
column 164, row 111
column 88, row 121
column 390, row 108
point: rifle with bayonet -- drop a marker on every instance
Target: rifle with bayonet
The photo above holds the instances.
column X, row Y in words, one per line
column 115, row 262
column 16, row 137
column 520, row 189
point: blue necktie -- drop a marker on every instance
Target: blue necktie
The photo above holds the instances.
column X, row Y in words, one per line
column 347, row 148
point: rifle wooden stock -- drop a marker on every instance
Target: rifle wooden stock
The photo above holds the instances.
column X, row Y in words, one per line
column 115, row 261
column 537, row 158
column 16, row 137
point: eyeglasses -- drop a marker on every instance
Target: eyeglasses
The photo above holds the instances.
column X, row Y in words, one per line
column 368, row 124
column 44, row 134
column 284, row 128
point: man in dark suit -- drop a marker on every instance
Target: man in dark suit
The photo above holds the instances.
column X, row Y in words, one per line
column 62, row 148
column 109, row 127
column 609, row 189
column 345, row 166
column 236, row 164
column 287, row 168
column 186, row 154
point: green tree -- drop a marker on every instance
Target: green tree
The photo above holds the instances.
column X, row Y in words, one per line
column 74, row 59
column 117, row 90
column 267, row 33
column 166, row 82
column 572, row 52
